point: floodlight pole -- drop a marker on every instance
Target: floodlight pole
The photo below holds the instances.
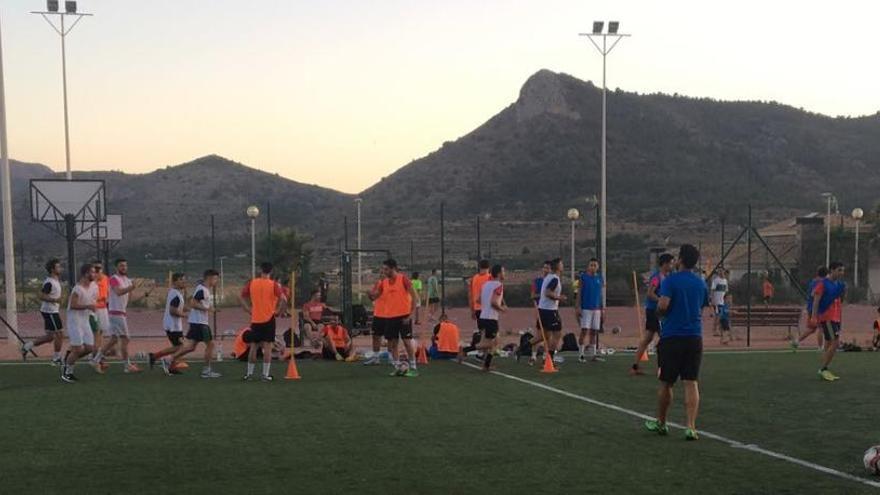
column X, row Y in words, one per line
column 358, row 202
column 63, row 32
column 829, row 197
column 604, row 50
column 6, row 187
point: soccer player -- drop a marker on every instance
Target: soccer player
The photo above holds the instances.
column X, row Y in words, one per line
column 263, row 299
column 876, row 342
column 826, row 314
column 476, row 286
column 394, row 305
column 433, row 294
column 718, row 289
column 491, row 300
column 80, row 305
column 201, row 305
column 682, row 296
column 589, row 310
column 337, row 342
column 417, row 287
column 821, row 273
column 50, row 308
column 445, row 341
column 120, row 288
column 652, row 322
column 175, row 311
column 548, row 313
column 100, row 318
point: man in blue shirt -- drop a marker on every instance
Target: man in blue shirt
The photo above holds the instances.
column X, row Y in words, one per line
column 589, row 308
column 682, row 297
column 652, row 322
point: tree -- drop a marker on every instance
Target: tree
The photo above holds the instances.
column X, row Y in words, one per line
column 289, row 251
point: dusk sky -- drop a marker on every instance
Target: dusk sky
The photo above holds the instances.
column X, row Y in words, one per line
column 341, row 93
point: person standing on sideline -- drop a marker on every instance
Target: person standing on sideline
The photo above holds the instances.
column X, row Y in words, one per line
column 395, row 303
column 433, row 293
column 718, row 289
column 50, row 309
column 263, row 299
column 680, row 352
column 652, row 322
column 767, row 290
column 79, row 307
column 589, row 309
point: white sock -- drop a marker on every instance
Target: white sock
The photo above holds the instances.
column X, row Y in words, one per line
column 68, row 368
column 534, row 354
column 266, row 368
column 97, row 357
column 412, row 364
column 250, row 369
column 582, row 347
column 595, row 350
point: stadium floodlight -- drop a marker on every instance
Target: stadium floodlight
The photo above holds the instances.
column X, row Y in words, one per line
column 604, row 50
column 62, row 30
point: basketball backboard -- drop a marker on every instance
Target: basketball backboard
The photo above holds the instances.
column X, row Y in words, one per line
column 53, row 201
column 107, row 230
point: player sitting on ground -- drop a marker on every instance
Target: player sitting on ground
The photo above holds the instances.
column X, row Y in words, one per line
column 172, row 320
column 337, row 342
column 79, row 306
column 652, row 322
column 201, row 305
column 50, row 309
column 445, row 340
column 682, row 297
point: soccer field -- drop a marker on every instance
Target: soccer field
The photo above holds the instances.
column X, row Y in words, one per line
column 451, row 430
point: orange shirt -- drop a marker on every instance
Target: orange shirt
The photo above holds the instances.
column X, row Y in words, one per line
column 476, row 287
column 338, row 335
column 264, row 294
column 315, row 310
column 103, row 291
column 448, row 337
column 768, row 289
column 395, row 298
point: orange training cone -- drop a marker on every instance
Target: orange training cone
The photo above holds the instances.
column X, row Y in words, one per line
column 292, row 372
column 644, row 357
column 422, row 355
column 548, row 364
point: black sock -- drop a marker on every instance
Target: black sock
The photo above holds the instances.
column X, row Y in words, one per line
column 824, row 368
column 488, row 359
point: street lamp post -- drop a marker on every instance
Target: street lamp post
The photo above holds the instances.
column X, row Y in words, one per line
column 358, row 202
column 829, row 197
column 857, row 215
column 69, row 10
column 573, row 214
column 222, row 278
column 253, row 212
column 604, row 50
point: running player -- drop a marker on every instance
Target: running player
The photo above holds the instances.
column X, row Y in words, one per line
column 548, row 313
column 491, row 300
column 263, row 299
column 652, row 322
column 80, row 305
column 589, row 310
column 120, row 288
column 826, row 314
column 417, row 287
column 394, row 305
column 175, row 312
column 433, row 294
column 201, row 304
column 476, row 286
column 100, row 319
column 50, row 308
column 821, row 273
column 679, row 354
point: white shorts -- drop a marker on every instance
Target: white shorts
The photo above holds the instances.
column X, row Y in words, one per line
column 103, row 319
column 79, row 332
column 118, row 326
column 591, row 319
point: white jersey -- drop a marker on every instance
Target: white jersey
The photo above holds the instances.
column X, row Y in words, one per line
column 79, row 318
column 545, row 302
column 118, row 304
column 490, row 289
column 719, row 290
column 203, row 295
column 171, row 322
column 52, row 288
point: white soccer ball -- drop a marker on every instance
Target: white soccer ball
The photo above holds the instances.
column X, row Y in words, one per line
column 872, row 460
column 402, row 367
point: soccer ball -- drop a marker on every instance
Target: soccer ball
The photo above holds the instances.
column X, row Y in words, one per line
column 402, row 367
column 615, row 330
column 872, row 460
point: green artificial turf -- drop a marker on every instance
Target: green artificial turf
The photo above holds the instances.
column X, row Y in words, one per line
column 451, row 430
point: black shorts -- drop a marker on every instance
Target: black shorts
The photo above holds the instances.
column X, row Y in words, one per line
column 199, row 332
column 725, row 324
column 263, row 332
column 830, row 329
column 679, row 357
column 52, row 322
column 489, row 327
column 550, row 320
column 433, row 300
column 174, row 338
column 331, row 355
column 652, row 323
column 392, row 328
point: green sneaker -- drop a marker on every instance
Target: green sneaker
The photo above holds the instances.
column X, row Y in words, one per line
column 657, row 427
column 827, row 375
column 691, row 435
column 411, row 373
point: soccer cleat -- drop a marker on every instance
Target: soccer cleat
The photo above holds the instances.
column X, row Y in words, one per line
column 266, row 378
column 210, row 374
column 582, row 359
column 132, row 368
column 56, row 361
column 657, row 427
column 411, row 373
column 373, row 361
column 833, row 376
column 25, row 348
column 827, row 375
column 67, row 378
column 152, row 360
column 691, row 434
column 339, row 357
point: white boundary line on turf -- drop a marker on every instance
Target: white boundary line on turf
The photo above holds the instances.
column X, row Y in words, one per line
column 732, row 443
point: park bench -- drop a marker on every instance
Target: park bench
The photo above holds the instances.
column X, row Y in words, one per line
column 787, row 317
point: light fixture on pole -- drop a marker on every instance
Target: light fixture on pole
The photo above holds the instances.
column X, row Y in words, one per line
column 63, row 31
column 573, row 214
column 604, row 50
column 857, row 215
column 253, row 212
column 829, row 197
column 358, row 201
